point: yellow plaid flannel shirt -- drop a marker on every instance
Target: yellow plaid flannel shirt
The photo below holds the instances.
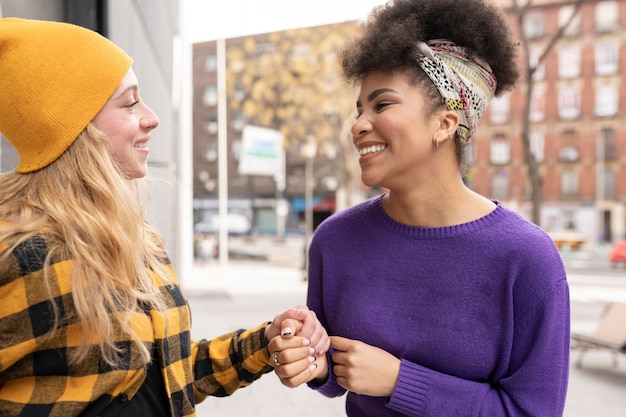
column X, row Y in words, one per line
column 37, row 380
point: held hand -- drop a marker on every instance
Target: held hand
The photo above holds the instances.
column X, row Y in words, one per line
column 308, row 327
column 295, row 361
column 364, row 369
column 288, row 321
column 313, row 330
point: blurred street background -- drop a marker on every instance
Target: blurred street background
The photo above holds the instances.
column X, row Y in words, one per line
column 264, row 277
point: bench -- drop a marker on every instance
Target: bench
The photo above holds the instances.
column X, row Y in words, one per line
column 609, row 335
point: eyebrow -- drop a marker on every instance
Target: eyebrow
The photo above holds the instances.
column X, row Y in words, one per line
column 375, row 94
column 133, row 87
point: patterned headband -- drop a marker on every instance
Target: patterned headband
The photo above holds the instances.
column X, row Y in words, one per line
column 466, row 84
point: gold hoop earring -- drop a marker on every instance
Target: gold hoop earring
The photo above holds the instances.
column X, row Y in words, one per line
column 437, row 142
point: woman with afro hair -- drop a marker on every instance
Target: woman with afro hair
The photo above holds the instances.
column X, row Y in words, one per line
column 439, row 301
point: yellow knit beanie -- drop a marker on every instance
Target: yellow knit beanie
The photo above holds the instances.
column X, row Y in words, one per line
column 54, row 78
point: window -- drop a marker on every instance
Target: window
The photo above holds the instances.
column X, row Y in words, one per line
column 537, row 103
column 540, row 71
column 607, row 55
column 210, row 63
column 607, row 136
column 569, row 102
column 533, row 25
column 607, row 13
column 565, row 13
column 238, row 121
column 211, row 126
column 210, row 96
column 569, row 148
column 499, row 109
column 264, row 48
column 500, row 150
column 569, row 182
column 609, row 183
column 240, row 91
column 500, row 184
column 537, row 145
column 606, row 100
column 569, row 62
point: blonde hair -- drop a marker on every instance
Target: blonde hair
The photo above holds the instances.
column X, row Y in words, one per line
column 98, row 219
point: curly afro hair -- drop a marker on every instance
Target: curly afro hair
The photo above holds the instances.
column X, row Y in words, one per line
column 388, row 43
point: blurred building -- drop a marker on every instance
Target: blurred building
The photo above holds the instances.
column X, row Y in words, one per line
column 146, row 30
column 578, row 130
column 578, row 135
column 286, row 81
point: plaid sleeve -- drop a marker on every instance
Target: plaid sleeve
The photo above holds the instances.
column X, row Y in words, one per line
column 231, row 361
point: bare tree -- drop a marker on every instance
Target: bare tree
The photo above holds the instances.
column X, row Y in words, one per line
column 534, row 175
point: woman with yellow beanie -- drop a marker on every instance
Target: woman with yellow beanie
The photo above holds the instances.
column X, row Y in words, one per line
column 92, row 318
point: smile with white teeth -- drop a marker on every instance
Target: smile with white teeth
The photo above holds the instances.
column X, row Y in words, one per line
column 141, row 145
column 372, row 149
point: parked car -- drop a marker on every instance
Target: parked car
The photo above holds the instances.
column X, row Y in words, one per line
column 618, row 254
column 237, row 224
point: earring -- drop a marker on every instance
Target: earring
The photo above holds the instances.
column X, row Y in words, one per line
column 437, row 142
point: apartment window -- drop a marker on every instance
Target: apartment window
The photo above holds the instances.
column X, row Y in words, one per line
column 569, row 149
column 264, row 48
column 537, row 145
column 240, row 91
column 607, row 136
column 569, row 182
column 537, row 103
column 500, row 150
column 569, row 102
column 500, row 184
column 238, row 121
column 540, row 71
column 607, row 13
column 533, row 25
column 609, row 183
column 499, row 109
column 211, row 126
column 607, row 56
column 565, row 13
column 209, row 97
column 210, row 63
column 569, row 62
column 606, row 100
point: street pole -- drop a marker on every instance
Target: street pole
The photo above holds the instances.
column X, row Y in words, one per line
column 309, row 151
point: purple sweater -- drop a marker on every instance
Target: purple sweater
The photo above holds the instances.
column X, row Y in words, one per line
column 478, row 313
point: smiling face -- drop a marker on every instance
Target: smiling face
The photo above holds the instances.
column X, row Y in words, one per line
column 394, row 132
column 127, row 121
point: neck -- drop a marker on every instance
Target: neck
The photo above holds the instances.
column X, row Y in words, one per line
column 456, row 204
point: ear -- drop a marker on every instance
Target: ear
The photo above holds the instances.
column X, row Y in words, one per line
column 448, row 123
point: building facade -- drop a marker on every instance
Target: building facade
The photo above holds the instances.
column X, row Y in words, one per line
column 577, row 129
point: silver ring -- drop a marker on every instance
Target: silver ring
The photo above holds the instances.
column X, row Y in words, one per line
column 275, row 357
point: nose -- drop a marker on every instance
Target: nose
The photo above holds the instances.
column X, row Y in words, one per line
column 361, row 126
column 150, row 120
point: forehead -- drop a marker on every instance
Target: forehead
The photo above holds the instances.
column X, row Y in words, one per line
column 377, row 82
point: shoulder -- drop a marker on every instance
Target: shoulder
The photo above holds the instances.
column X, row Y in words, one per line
column 22, row 257
column 356, row 214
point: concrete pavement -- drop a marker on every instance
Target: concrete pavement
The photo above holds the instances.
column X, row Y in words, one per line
column 245, row 293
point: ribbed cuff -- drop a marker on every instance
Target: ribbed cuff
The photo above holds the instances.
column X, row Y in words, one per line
column 409, row 397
